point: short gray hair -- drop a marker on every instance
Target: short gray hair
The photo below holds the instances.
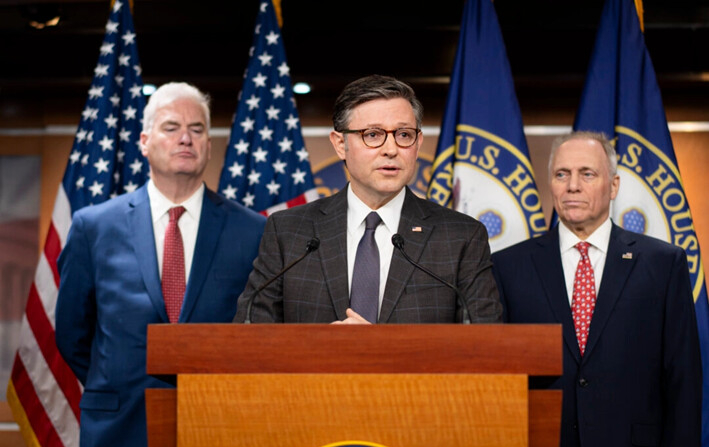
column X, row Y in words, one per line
column 368, row 89
column 169, row 93
column 600, row 137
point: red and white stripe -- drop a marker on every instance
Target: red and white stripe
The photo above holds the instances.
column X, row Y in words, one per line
column 308, row 196
column 43, row 392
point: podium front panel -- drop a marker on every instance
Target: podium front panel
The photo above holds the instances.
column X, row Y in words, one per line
column 302, row 410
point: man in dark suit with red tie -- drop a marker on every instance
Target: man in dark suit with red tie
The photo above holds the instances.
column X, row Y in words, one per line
column 632, row 371
column 357, row 275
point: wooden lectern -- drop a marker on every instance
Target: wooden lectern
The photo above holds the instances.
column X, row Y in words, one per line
column 317, row 384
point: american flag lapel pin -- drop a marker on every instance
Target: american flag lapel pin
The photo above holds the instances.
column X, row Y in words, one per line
column 416, row 229
column 627, row 255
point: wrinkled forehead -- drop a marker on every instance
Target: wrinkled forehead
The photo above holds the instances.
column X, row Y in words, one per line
column 396, row 112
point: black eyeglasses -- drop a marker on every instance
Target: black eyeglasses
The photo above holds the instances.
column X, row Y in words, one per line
column 375, row 137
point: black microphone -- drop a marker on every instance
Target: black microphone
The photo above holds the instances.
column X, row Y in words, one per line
column 312, row 245
column 398, row 241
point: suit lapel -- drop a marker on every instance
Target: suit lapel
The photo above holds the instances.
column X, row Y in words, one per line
column 547, row 262
column 615, row 273
column 400, row 270
column 331, row 227
column 211, row 223
column 143, row 239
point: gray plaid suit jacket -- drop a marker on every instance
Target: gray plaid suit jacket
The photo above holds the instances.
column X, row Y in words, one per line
column 316, row 290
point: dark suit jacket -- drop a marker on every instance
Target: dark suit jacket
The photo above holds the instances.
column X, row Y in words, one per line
column 110, row 291
column 639, row 381
column 449, row 243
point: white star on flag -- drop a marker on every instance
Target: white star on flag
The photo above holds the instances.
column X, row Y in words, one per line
column 128, row 38
column 272, row 38
column 95, row 92
column 106, row 49
column 253, row 102
column 260, row 80
column 111, row 121
column 285, row 144
column 265, row 59
column 241, row 147
column 101, row 165
column 248, row 124
column 129, row 112
column 272, row 113
column 96, row 188
column 260, row 155
column 101, row 70
column 273, row 188
column 229, row 192
column 106, row 143
column 278, row 91
column 283, row 70
column 266, row 133
column 236, row 169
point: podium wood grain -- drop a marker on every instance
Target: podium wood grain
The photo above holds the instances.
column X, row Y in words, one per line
column 297, row 410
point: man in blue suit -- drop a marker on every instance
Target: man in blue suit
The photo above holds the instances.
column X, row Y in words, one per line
column 633, row 375
column 118, row 255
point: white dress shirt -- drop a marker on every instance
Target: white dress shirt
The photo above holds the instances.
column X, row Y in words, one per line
column 597, row 253
column 188, row 223
column 390, row 214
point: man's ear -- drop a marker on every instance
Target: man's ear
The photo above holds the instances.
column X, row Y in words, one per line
column 337, row 140
column 143, row 146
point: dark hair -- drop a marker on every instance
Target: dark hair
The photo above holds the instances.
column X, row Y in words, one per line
column 368, row 89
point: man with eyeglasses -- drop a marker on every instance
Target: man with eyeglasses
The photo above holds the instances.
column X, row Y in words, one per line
column 357, row 275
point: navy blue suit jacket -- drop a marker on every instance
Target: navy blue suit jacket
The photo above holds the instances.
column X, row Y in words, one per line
column 110, row 291
column 639, row 381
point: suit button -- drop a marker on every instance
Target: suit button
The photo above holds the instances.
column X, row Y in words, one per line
column 583, row 383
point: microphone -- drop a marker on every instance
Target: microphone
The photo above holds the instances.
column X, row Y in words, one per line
column 398, row 241
column 312, row 245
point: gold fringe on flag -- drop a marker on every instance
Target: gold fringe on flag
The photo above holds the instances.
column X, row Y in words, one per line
column 277, row 7
column 639, row 9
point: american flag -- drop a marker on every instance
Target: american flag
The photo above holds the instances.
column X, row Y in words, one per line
column 266, row 166
column 105, row 161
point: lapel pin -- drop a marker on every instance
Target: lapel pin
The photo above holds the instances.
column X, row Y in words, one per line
column 627, row 255
column 416, row 229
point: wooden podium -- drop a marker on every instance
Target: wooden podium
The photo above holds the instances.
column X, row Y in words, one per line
column 314, row 385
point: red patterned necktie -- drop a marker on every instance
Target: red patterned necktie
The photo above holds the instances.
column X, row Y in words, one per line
column 584, row 298
column 173, row 266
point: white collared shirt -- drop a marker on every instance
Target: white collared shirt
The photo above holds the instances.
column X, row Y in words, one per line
column 188, row 223
column 597, row 253
column 390, row 214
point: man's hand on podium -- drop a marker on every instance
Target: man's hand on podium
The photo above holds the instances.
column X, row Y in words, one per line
column 352, row 318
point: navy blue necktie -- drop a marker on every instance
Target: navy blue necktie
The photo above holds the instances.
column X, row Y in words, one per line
column 364, row 296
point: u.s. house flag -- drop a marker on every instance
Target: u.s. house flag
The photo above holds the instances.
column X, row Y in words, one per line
column 622, row 99
column 266, row 166
column 105, row 161
column 482, row 165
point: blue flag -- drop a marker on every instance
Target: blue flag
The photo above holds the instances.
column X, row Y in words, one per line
column 622, row 99
column 266, row 166
column 482, row 165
